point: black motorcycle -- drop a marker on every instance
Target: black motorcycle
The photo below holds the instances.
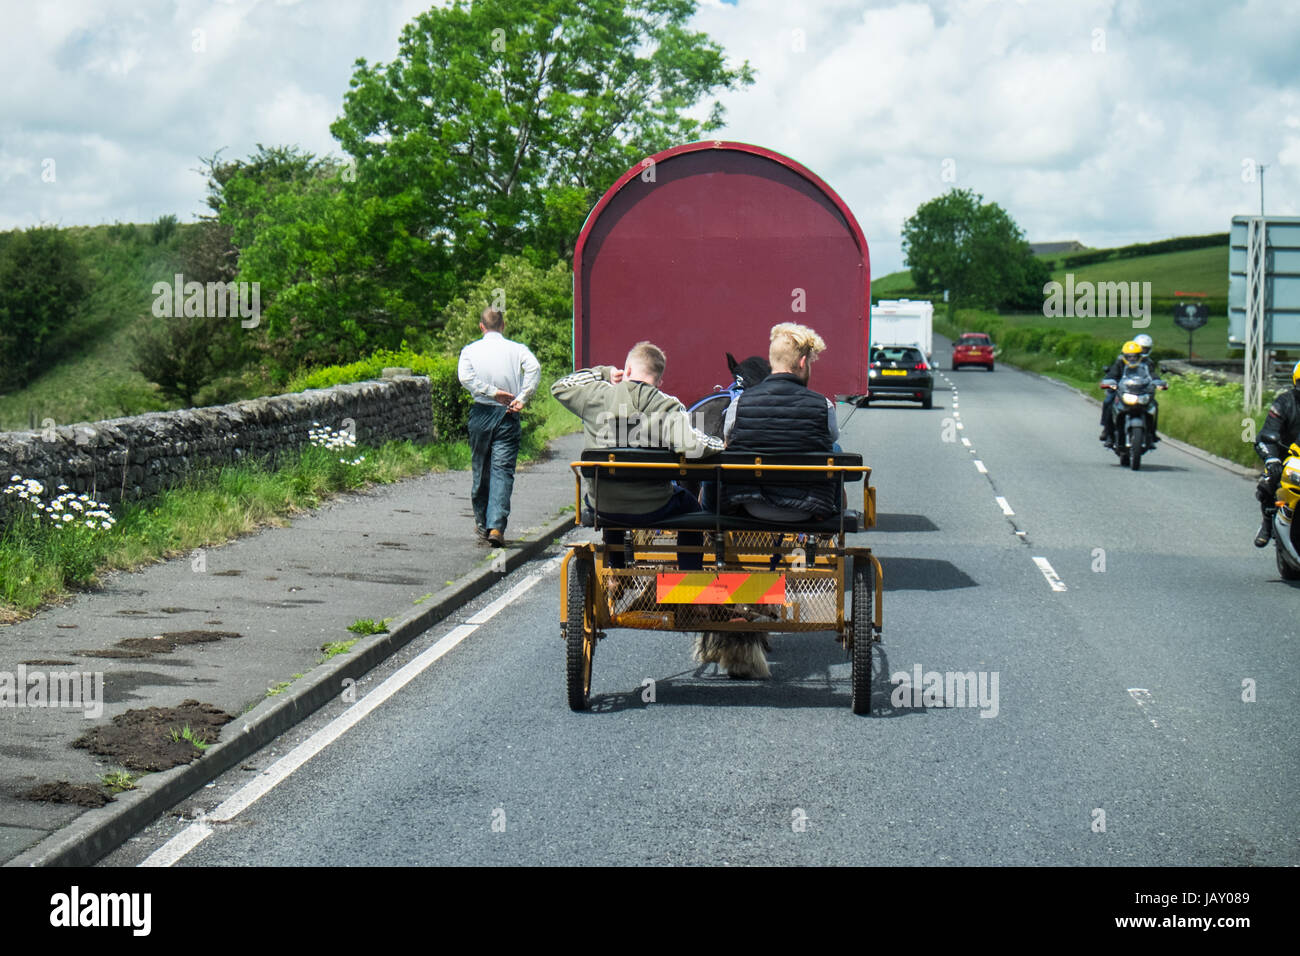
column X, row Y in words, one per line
column 1133, row 414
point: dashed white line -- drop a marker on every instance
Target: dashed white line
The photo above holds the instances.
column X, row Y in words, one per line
column 966, row 442
column 185, row 841
column 1049, row 572
column 1002, row 503
column 979, row 466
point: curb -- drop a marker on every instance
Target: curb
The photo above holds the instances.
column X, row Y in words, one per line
column 1241, row 471
column 96, row 833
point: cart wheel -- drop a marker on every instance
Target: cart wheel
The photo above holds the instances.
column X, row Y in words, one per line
column 864, row 596
column 580, row 634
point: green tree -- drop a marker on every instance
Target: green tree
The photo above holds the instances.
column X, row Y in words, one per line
column 538, row 305
column 175, row 353
column 506, row 119
column 43, row 284
column 972, row 249
column 493, row 132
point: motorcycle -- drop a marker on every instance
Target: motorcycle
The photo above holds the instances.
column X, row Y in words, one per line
column 1286, row 538
column 1133, row 414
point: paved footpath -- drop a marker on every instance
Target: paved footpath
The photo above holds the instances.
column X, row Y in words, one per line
column 283, row 591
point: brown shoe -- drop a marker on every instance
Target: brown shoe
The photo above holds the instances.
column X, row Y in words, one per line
column 496, row 538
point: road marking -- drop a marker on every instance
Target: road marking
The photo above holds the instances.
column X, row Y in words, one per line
column 185, row 841
column 960, row 425
column 979, row 466
column 966, row 442
column 1049, row 572
column 1002, row 503
column 175, row 848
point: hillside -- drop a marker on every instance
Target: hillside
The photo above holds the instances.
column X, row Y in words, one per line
column 95, row 381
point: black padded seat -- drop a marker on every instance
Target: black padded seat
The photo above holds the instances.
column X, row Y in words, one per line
column 629, row 458
column 757, row 472
column 707, row 521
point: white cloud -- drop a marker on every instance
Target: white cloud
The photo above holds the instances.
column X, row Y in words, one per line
column 1142, row 140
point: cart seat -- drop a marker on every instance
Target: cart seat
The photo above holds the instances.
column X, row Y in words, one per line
column 707, row 521
column 748, row 468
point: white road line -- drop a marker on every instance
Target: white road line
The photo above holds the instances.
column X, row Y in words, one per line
column 979, row 466
column 960, row 425
column 1002, row 503
column 175, row 848
column 966, row 442
column 1049, row 572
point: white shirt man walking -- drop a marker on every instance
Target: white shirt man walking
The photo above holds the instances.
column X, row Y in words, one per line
column 502, row 376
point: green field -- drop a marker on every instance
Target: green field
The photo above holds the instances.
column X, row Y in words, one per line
column 95, row 381
column 1192, row 270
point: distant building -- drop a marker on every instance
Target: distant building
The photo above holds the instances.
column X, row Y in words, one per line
column 1056, row 248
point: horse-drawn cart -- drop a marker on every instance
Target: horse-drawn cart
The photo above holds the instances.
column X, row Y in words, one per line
column 759, row 576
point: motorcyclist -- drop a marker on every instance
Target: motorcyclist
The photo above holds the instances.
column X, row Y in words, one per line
column 1147, row 342
column 1281, row 429
column 1130, row 357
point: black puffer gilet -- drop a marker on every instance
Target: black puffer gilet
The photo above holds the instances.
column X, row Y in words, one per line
column 781, row 415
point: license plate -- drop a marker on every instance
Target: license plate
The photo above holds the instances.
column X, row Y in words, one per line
column 894, row 371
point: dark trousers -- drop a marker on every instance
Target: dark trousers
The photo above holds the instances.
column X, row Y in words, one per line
column 1266, row 494
column 494, row 446
column 1107, row 411
column 681, row 502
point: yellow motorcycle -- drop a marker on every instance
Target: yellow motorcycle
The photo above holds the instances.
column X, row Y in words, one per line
column 1286, row 537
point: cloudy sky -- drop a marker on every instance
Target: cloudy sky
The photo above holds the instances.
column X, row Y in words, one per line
column 1107, row 121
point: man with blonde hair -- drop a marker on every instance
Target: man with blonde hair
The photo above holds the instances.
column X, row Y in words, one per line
column 779, row 415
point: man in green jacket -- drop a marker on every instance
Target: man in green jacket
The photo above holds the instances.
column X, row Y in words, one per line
column 625, row 408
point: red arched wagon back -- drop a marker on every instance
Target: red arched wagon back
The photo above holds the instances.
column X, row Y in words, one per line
column 703, row 248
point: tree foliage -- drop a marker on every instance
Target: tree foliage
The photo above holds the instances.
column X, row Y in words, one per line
column 974, row 250
column 43, row 284
column 538, row 305
column 492, row 133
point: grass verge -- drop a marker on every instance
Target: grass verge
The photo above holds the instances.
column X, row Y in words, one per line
column 40, row 563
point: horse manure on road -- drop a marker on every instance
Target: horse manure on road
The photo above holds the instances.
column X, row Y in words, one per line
column 80, row 794
column 163, row 643
column 152, row 739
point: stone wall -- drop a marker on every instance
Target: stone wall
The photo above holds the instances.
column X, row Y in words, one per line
column 135, row 457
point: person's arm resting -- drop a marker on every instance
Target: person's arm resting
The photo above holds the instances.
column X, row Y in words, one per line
column 532, row 374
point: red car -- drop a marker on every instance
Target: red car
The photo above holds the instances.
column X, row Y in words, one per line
column 973, row 348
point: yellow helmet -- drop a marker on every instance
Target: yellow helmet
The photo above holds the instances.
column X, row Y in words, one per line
column 1132, row 353
column 1295, row 376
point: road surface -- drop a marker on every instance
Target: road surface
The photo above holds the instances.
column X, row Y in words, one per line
column 1143, row 652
